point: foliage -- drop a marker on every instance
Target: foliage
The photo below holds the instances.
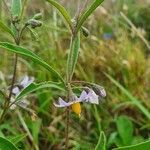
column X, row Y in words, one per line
column 109, row 55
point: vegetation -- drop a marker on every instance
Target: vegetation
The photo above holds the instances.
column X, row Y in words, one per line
column 106, row 44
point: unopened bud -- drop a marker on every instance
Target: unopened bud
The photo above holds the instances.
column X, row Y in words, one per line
column 85, row 31
column 37, row 16
column 34, row 23
column 99, row 90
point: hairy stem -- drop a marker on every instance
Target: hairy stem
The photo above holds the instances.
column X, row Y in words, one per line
column 67, row 128
column 67, row 117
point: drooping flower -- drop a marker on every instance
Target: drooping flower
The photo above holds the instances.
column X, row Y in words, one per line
column 17, row 89
column 23, row 84
column 88, row 96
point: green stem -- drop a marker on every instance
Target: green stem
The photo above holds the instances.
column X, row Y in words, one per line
column 7, row 101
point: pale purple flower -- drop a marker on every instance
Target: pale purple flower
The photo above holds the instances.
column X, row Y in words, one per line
column 90, row 97
column 16, row 90
column 23, row 84
column 63, row 103
column 26, row 81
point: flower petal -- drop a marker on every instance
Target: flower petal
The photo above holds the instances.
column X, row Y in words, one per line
column 83, row 95
column 62, row 103
column 16, row 90
column 92, row 97
column 26, row 81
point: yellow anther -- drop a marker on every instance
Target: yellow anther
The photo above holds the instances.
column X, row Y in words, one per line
column 76, row 108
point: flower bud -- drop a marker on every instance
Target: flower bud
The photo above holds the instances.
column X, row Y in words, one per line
column 34, row 23
column 37, row 16
column 99, row 90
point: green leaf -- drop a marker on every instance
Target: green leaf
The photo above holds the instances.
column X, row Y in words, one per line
column 111, row 139
column 135, row 101
column 86, row 14
column 16, row 139
column 125, row 129
column 35, row 128
column 5, row 28
column 73, row 55
column 101, row 145
column 6, row 144
column 34, row 87
column 16, row 8
column 62, row 10
column 31, row 55
column 141, row 146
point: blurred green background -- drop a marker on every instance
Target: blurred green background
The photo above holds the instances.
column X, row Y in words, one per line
column 116, row 55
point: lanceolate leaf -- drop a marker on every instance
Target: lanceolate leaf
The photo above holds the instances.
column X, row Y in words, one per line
column 85, row 15
column 16, row 8
column 31, row 55
column 34, row 87
column 73, row 55
column 6, row 144
column 135, row 101
column 5, row 28
column 101, row 145
column 141, row 146
column 62, row 10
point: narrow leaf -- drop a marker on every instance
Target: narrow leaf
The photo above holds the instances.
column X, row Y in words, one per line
column 29, row 54
column 6, row 144
column 16, row 8
column 5, row 28
column 62, row 10
column 86, row 14
column 135, row 101
column 73, row 55
column 101, row 145
column 141, row 146
column 34, row 87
